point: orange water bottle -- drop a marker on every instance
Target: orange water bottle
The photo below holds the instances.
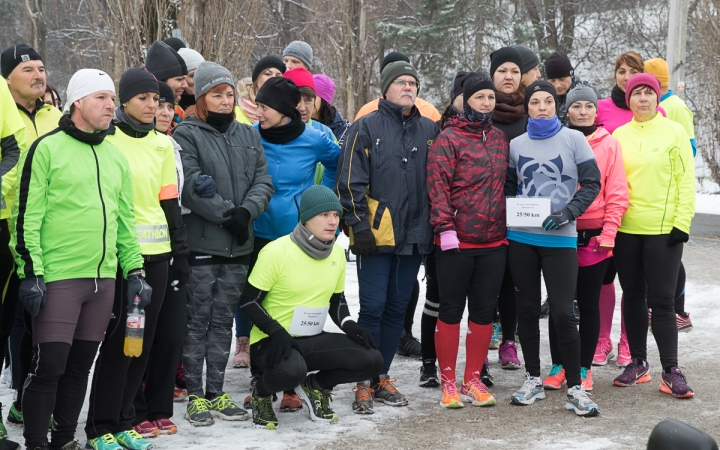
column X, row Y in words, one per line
column 134, row 330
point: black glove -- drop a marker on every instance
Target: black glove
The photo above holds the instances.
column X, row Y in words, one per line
column 281, row 344
column 363, row 243
column 205, row 186
column 32, row 294
column 179, row 272
column 137, row 286
column 238, row 223
column 557, row 220
column 358, row 334
column 677, row 237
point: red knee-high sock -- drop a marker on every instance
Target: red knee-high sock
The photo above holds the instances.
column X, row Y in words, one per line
column 476, row 349
column 447, row 340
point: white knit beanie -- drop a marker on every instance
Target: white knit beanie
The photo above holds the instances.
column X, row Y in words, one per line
column 85, row 82
column 191, row 57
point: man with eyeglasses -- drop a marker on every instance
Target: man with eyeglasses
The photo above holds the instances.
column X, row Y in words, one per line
column 382, row 188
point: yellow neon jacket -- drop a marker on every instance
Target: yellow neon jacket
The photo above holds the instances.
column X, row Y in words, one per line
column 12, row 142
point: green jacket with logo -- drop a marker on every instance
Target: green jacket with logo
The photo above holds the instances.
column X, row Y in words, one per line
column 74, row 213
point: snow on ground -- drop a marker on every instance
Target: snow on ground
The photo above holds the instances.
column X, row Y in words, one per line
column 707, row 199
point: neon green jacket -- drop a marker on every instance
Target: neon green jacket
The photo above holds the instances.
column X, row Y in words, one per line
column 74, row 216
column 660, row 172
column 12, row 141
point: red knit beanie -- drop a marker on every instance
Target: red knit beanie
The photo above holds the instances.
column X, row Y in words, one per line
column 642, row 79
column 301, row 77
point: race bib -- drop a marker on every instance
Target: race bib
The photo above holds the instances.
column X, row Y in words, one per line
column 527, row 212
column 308, row 321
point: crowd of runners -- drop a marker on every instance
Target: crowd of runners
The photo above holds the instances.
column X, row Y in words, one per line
column 213, row 204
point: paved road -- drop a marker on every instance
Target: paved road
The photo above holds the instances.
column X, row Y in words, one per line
column 706, row 228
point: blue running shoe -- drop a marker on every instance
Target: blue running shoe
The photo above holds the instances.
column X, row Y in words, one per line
column 495, row 338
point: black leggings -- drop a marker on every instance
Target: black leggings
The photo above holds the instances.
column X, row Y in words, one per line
column 507, row 306
column 680, row 291
column 648, row 266
column 411, row 307
column 337, row 358
column 430, row 311
column 559, row 267
column 589, row 283
column 475, row 275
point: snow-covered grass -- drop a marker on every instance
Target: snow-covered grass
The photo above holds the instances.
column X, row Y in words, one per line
column 707, row 199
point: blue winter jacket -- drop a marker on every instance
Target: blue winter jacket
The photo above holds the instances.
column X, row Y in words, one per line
column 292, row 167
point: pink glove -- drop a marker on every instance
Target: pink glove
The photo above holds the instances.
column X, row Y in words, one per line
column 449, row 241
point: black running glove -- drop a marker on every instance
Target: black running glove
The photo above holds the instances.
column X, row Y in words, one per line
column 179, row 272
column 557, row 220
column 32, row 294
column 137, row 286
column 281, row 345
column 677, row 237
column 358, row 334
column 238, row 222
column 363, row 243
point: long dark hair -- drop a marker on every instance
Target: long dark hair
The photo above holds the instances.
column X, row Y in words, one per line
column 57, row 102
column 327, row 112
column 449, row 112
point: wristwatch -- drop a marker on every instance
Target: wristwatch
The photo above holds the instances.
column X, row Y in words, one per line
column 141, row 271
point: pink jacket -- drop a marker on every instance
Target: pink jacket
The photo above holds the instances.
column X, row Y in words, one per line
column 610, row 205
column 611, row 117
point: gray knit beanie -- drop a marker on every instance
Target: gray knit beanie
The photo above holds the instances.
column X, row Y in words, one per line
column 395, row 69
column 191, row 57
column 581, row 93
column 300, row 50
column 210, row 74
column 318, row 199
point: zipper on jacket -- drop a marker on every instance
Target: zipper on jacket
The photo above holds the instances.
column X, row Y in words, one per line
column 102, row 202
column 230, row 148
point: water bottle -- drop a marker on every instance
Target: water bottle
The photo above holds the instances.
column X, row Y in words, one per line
column 134, row 330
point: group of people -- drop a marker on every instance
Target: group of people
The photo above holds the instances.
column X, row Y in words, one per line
column 208, row 203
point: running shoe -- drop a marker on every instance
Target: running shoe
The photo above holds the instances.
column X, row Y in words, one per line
column 131, row 440
column 556, row 378
column 72, row 445
column 530, row 392
column 586, row 379
column 363, row 403
column 409, row 346
column 180, row 394
column 290, row 402
column 634, row 373
column 198, row 412
column 485, row 376
column 495, row 338
column 165, row 426
column 317, row 401
column 386, row 392
column 507, row 355
column 3, row 430
column 15, row 416
column 262, row 412
column 623, row 356
column 683, row 322
column 242, row 353
column 223, row 408
column 675, row 384
column 104, row 442
column 429, row 375
column 146, row 429
column 477, row 393
column 604, row 352
column 450, row 396
column 579, row 402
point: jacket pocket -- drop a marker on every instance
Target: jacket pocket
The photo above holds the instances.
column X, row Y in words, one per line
column 381, row 222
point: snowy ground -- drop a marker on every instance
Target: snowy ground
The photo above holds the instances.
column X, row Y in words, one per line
column 707, row 199
column 628, row 414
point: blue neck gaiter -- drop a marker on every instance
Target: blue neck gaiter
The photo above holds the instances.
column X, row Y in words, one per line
column 543, row 128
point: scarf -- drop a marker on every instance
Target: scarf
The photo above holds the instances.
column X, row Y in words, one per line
column 68, row 126
column 508, row 108
column 250, row 109
column 618, row 97
column 476, row 116
column 587, row 131
column 221, row 122
column 309, row 244
column 285, row 133
column 543, row 128
column 186, row 100
column 129, row 127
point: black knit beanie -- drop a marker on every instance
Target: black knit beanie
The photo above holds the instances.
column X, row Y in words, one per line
column 267, row 62
column 136, row 81
column 539, row 85
column 12, row 57
column 477, row 81
column 503, row 55
column 167, row 95
column 529, row 57
column 175, row 43
column 281, row 94
column 392, row 57
column 558, row 65
column 164, row 62
column 456, row 86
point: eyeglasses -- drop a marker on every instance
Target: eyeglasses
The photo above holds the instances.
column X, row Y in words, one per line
column 402, row 83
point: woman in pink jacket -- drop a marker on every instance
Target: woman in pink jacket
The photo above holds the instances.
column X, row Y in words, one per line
column 596, row 233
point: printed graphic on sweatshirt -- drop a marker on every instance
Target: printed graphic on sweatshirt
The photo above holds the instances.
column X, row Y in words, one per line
column 547, row 178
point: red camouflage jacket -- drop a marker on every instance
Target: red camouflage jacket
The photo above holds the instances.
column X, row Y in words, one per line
column 467, row 166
